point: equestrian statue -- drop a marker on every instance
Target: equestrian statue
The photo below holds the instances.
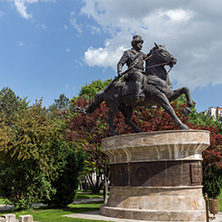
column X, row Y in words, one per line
column 141, row 87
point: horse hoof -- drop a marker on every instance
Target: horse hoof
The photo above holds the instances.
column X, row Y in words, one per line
column 79, row 110
column 184, row 127
column 139, row 131
column 153, row 107
column 187, row 111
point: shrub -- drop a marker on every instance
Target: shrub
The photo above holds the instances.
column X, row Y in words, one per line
column 212, row 178
column 68, row 180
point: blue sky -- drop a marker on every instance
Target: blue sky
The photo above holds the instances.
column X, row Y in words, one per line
column 49, row 47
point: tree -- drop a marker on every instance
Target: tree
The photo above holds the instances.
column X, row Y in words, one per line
column 10, row 103
column 88, row 130
column 212, row 178
column 97, row 162
column 31, row 152
column 89, row 90
column 60, row 104
column 68, row 178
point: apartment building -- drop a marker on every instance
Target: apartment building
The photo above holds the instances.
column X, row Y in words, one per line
column 215, row 112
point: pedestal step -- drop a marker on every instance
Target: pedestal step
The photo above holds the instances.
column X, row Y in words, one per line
column 151, row 215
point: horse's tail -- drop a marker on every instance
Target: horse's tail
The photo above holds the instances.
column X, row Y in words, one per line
column 98, row 98
column 94, row 105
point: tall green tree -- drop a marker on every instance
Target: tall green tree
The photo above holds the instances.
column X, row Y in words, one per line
column 90, row 90
column 97, row 168
column 87, row 134
column 66, row 184
column 10, row 103
column 31, row 152
column 61, row 104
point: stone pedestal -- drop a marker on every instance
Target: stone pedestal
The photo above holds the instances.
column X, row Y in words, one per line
column 156, row 176
column 26, row 218
column 9, row 217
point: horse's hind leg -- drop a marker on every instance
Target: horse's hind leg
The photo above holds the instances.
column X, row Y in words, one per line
column 112, row 112
column 127, row 111
column 164, row 102
column 186, row 91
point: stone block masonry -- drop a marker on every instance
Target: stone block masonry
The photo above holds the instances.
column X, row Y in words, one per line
column 26, row 218
column 9, row 217
column 156, row 176
column 12, row 218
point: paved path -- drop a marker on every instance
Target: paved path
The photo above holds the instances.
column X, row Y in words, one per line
column 9, row 207
column 5, row 207
column 91, row 200
column 218, row 217
column 94, row 215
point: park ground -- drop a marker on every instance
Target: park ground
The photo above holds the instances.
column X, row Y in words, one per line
column 84, row 202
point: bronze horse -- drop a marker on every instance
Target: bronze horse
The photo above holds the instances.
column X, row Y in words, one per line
column 157, row 89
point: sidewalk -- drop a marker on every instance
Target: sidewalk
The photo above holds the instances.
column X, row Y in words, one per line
column 5, row 207
column 94, row 215
column 9, row 207
column 218, row 217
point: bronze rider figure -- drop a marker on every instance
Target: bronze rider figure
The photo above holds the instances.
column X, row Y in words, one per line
column 132, row 57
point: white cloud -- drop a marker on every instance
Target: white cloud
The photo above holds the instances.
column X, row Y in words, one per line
column 178, row 15
column 78, row 62
column 74, row 23
column 101, row 57
column 95, row 30
column 44, row 26
column 67, row 86
column 20, row 44
column 107, row 56
column 21, row 6
column 1, row 14
column 190, row 30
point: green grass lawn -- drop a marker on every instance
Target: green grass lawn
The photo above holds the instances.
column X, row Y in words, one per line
column 86, row 195
column 2, row 201
column 57, row 215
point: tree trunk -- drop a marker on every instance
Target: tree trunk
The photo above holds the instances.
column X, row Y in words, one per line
column 106, row 187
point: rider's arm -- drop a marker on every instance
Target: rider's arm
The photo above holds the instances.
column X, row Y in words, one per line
column 122, row 62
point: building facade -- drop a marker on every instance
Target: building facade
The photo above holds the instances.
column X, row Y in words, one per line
column 215, row 112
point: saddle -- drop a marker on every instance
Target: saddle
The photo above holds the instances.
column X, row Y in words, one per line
column 128, row 88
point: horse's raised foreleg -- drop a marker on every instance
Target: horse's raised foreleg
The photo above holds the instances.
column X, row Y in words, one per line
column 164, row 102
column 127, row 111
column 179, row 92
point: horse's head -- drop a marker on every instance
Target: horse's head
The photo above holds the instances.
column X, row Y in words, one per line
column 162, row 56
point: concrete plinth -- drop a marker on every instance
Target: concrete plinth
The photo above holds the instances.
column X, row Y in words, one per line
column 26, row 218
column 156, row 176
column 9, row 217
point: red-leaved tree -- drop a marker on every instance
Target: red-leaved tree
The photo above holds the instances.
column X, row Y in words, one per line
column 89, row 129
